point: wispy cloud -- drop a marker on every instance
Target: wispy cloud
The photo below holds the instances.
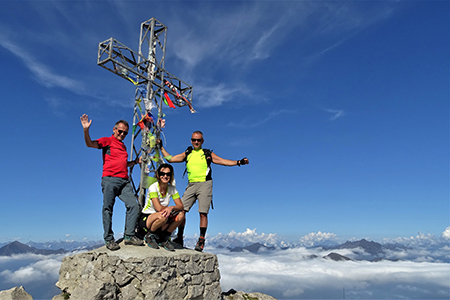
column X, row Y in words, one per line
column 336, row 113
column 256, row 123
column 239, row 33
column 252, row 31
column 42, row 73
column 211, row 96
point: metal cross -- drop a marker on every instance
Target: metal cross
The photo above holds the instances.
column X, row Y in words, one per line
column 154, row 85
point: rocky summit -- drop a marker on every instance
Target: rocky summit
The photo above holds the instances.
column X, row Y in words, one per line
column 139, row 273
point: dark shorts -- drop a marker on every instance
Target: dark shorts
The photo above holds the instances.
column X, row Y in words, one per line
column 142, row 222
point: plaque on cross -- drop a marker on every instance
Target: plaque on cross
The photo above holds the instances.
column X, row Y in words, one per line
column 154, row 87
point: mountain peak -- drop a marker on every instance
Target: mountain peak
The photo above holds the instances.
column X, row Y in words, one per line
column 17, row 247
column 368, row 246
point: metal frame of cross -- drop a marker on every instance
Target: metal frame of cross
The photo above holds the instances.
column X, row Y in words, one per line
column 146, row 70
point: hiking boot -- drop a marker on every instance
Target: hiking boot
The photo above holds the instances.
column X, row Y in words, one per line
column 132, row 240
column 112, row 245
column 200, row 244
column 179, row 241
column 150, row 240
column 167, row 244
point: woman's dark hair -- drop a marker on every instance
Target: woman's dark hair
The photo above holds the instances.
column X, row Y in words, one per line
column 172, row 174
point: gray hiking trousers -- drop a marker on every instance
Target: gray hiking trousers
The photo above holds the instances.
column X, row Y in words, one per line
column 113, row 187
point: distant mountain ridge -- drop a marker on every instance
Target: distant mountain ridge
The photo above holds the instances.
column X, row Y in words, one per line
column 19, row 248
column 371, row 247
column 253, row 248
column 361, row 250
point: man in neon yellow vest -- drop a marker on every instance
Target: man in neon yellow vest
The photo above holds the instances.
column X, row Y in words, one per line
column 198, row 162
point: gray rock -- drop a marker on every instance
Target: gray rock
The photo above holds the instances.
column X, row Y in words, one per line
column 16, row 293
column 248, row 296
column 140, row 273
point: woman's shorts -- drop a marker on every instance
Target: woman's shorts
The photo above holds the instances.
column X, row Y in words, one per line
column 142, row 221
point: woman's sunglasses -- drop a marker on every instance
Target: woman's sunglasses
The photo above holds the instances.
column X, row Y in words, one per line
column 161, row 174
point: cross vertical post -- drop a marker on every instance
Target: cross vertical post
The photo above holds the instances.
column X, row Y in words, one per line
column 146, row 70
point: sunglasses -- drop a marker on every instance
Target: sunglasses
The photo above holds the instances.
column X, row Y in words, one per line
column 122, row 132
column 197, row 140
column 161, row 174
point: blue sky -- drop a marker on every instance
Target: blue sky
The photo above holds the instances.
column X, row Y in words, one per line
column 342, row 108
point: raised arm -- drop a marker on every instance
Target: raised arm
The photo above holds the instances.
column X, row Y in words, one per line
column 228, row 162
column 86, row 123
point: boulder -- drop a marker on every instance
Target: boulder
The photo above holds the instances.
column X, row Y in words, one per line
column 16, row 293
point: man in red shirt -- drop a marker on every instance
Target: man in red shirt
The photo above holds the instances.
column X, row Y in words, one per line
column 115, row 182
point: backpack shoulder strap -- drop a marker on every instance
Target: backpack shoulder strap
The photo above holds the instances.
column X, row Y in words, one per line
column 187, row 152
column 208, row 156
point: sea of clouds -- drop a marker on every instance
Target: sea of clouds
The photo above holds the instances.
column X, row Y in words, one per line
column 416, row 268
column 290, row 274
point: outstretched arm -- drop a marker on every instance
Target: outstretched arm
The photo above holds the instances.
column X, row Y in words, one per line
column 173, row 159
column 86, row 123
column 228, row 162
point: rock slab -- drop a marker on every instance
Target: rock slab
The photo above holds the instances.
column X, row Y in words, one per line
column 248, row 296
column 140, row 273
column 16, row 293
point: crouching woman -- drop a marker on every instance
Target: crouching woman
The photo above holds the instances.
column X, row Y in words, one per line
column 158, row 219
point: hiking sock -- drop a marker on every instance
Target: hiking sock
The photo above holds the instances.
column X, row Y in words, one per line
column 180, row 232
column 159, row 233
column 203, row 231
column 165, row 235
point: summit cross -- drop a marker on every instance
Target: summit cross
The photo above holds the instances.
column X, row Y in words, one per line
column 154, row 86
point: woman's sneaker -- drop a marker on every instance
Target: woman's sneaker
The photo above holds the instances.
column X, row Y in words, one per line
column 150, row 240
column 112, row 245
column 133, row 240
column 200, row 244
column 167, row 245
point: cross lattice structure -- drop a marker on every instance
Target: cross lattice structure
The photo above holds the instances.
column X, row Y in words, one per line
column 154, row 86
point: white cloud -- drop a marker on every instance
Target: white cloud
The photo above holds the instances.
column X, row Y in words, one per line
column 46, row 267
column 298, row 272
column 290, row 274
column 244, row 238
column 446, row 233
column 318, row 239
column 419, row 240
